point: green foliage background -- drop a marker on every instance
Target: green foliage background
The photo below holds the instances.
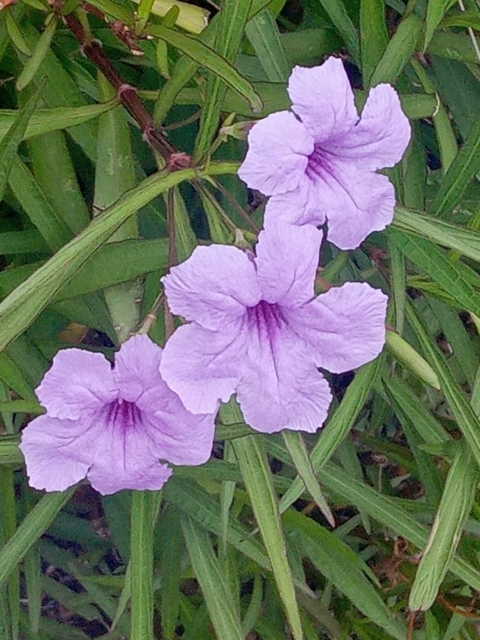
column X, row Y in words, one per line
column 94, row 211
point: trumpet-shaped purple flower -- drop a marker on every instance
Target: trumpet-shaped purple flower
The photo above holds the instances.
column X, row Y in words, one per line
column 111, row 425
column 258, row 331
column 319, row 163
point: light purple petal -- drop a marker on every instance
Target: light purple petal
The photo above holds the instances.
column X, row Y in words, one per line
column 78, row 381
column 136, row 475
column 213, row 286
column 345, row 327
column 53, row 460
column 287, row 262
column 358, row 202
column 137, row 367
column 281, row 388
column 123, row 453
column 323, row 98
column 203, row 367
column 179, row 436
column 299, row 207
column 380, row 138
column 278, row 150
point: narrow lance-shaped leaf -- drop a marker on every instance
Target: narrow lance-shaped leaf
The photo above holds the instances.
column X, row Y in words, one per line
column 340, row 565
column 190, row 17
column 186, row 67
column 38, row 56
column 27, row 191
column 337, row 427
column 206, row 57
column 407, row 355
column 435, row 12
column 114, row 175
column 258, row 480
column 391, row 514
column 262, row 31
column 373, row 35
column 466, row 419
column 297, row 449
column 461, row 172
column 465, row 241
column 454, row 508
column 12, row 140
column 338, row 15
column 46, row 120
column 436, row 264
column 213, row 583
column 231, row 24
column 141, row 565
column 204, row 509
column 399, row 51
column 445, row 134
column 28, row 300
column 29, row 531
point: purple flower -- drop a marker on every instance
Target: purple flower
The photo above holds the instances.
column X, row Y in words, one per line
column 111, row 425
column 319, row 163
column 258, row 331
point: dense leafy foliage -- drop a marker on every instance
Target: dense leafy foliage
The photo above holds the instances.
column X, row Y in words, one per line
column 121, row 132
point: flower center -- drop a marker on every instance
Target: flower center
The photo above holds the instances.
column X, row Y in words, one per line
column 318, row 164
column 266, row 318
column 123, row 415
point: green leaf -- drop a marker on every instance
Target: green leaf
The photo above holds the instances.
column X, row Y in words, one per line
column 21, row 406
column 263, row 34
column 465, row 241
column 466, row 419
column 33, row 580
column 461, row 172
column 18, row 242
column 338, row 15
column 399, row 51
column 202, row 508
column 170, row 541
column 10, row 143
column 258, row 481
column 13, row 377
column 46, row 120
column 27, row 301
column 114, row 175
column 454, row 508
column 29, row 531
column 340, row 565
column 373, row 35
column 25, row 188
column 55, row 174
column 436, row 264
column 61, row 90
column 141, row 564
column 16, row 35
column 390, row 513
column 337, row 427
column 435, row 12
column 297, row 449
column 218, row 596
column 406, row 354
column 190, row 17
column 38, row 55
column 112, row 264
column 231, row 24
column 425, row 424
column 445, row 134
column 207, row 58
column 186, row 67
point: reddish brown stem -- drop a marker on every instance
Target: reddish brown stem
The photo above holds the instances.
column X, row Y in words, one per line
column 126, row 94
